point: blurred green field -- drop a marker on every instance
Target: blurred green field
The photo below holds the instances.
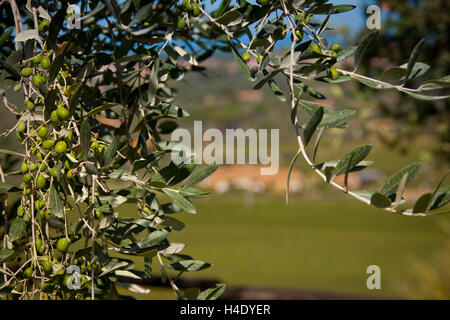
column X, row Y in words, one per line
column 307, row 244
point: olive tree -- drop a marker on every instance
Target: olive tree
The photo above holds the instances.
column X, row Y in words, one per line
column 98, row 88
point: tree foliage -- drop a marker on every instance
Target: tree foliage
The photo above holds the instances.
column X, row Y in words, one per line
column 98, row 102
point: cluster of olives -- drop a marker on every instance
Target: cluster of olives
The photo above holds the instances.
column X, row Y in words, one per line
column 40, row 63
column 191, row 7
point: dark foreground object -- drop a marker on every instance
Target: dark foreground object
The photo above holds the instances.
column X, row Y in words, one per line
column 251, row 293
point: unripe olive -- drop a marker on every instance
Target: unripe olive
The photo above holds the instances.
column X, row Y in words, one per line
column 42, row 132
column 32, row 166
column 70, row 173
column 17, row 87
column 38, row 204
column 187, row 4
column 26, row 72
column 47, row 266
column 334, row 74
column 54, row 116
column 53, row 172
column 316, row 48
column 36, row 60
column 20, row 211
column 299, row 34
column 21, row 126
column 98, row 214
column 27, row 178
column 39, row 156
column 61, row 147
column 246, row 56
column 63, row 113
column 336, row 47
column 24, row 167
column 37, row 80
column 29, row 104
column 33, row 151
column 43, row 26
column 41, row 182
column 94, row 145
column 48, row 144
column 63, row 245
column 259, row 58
column 28, row 273
column 195, row 10
column 45, row 63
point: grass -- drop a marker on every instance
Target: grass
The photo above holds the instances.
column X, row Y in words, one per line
column 310, row 244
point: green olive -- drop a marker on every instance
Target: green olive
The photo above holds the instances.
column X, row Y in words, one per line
column 334, row 74
column 63, row 113
column 246, row 56
column 53, row 172
column 33, row 166
column 48, row 144
column 17, row 87
column 20, row 211
column 27, row 178
column 43, row 26
column 316, row 48
column 28, row 273
column 70, row 174
column 94, row 145
column 26, row 72
column 63, row 245
column 36, row 60
column 37, row 80
column 54, row 116
column 42, row 132
column 41, row 182
column 21, row 126
column 29, row 104
column 336, row 47
column 259, row 58
column 24, row 167
column 195, row 10
column 47, row 266
column 61, row 147
column 45, row 63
